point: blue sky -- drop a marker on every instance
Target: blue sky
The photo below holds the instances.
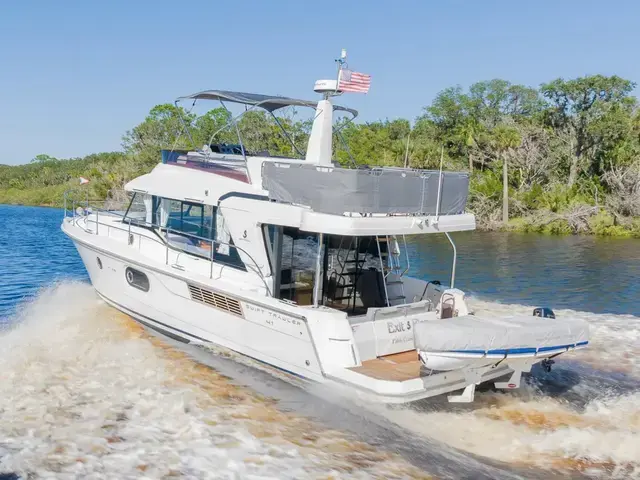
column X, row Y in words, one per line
column 76, row 75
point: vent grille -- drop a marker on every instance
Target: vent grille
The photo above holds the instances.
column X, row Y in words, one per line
column 215, row 300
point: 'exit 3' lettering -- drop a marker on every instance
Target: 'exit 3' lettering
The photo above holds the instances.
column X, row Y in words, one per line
column 396, row 327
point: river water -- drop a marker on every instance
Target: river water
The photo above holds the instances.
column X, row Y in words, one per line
column 86, row 393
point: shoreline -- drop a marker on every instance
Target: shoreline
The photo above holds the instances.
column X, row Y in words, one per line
column 522, row 225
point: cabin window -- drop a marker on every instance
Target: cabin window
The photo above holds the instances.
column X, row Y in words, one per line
column 139, row 210
column 352, row 270
column 191, row 218
column 194, row 228
column 293, row 254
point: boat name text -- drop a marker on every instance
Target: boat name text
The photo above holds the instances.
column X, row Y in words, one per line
column 271, row 315
column 395, row 327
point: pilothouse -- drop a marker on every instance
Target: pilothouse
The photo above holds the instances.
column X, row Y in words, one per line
column 302, row 263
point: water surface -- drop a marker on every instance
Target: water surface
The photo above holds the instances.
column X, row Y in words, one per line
column 84, row 392
column 588, row 273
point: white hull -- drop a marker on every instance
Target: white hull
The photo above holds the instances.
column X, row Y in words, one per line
column 167, row 307
column 275, row 336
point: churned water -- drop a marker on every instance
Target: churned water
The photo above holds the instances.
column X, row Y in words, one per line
column 86, row 393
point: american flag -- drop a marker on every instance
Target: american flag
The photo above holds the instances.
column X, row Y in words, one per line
column 354, row 81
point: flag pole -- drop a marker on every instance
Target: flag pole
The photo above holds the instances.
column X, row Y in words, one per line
column 340, row 62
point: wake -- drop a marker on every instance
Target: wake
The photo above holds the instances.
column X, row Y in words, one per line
column 85, row 392
column 583, row 416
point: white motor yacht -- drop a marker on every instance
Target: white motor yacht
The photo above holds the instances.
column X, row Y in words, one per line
column 302, row 264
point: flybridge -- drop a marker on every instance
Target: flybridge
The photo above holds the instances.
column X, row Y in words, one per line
column 336, row 190
column 313, row 180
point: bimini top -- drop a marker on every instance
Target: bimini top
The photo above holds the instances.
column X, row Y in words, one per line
column 268, row 102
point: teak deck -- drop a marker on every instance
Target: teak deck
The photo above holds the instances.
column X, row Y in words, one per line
column 397, row 367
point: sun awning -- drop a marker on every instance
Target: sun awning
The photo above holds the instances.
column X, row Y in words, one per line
column 268, row 102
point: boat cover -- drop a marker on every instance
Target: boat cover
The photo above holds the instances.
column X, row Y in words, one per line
column 473, row 334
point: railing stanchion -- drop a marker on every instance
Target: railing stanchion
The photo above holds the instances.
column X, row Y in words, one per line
column 318, row 280
column 213, row 246
column 384, row 279
column 97, row 222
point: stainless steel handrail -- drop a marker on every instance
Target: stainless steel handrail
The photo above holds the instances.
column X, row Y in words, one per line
column 455, row 257
column 255, row 268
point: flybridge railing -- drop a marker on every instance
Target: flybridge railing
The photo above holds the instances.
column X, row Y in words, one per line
column 87, row 207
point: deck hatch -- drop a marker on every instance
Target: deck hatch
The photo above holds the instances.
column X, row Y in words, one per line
column 215, row 300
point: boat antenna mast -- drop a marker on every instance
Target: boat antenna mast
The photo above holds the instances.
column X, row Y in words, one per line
column 319, row 147
column 340, row 63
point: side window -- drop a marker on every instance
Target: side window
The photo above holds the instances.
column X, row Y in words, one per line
column 208, row 226
column 139, row 210
column 297, row 265
column 195, row 228
column 192, row 219
column 225, row 251
column 174, row 217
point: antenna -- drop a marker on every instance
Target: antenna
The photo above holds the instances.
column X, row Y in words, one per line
column 330, row 88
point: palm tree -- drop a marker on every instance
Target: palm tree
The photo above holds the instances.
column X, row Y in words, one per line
column 469, row 132
column 503, row 139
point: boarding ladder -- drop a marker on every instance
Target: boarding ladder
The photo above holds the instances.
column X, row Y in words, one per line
column 391, row 264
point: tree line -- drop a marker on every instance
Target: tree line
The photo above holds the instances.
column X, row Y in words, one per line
column 560, row 158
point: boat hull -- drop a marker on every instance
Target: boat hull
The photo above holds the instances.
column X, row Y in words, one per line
column 168, row 307
column 198, row 309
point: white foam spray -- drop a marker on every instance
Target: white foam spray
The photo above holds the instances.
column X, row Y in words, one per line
column 85, row 393
column 583, row 416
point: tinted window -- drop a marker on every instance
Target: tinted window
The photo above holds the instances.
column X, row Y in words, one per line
column 194, row 228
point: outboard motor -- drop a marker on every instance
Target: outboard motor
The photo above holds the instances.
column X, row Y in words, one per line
column 543, row 312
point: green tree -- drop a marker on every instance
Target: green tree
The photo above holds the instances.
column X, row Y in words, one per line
column 211, row 128
column 574, row 106
column 164, row 128
column 464, row 120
